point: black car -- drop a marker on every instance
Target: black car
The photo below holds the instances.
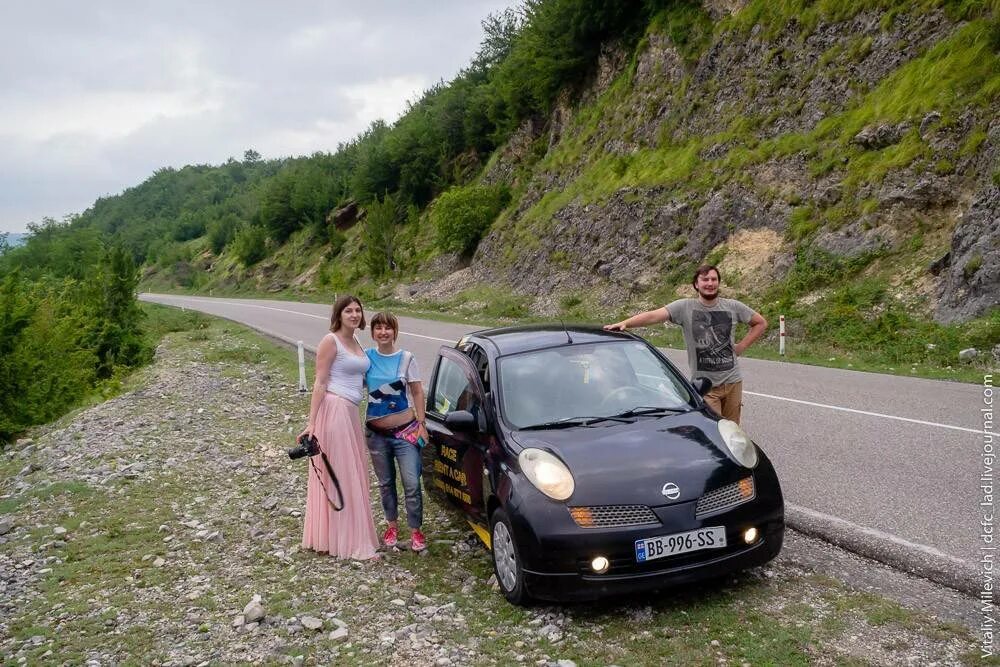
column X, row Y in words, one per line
column 592, row 467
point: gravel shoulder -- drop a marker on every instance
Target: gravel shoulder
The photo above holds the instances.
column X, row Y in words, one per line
column 162, row 527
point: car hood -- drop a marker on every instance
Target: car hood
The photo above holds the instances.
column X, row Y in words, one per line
column 615, row 463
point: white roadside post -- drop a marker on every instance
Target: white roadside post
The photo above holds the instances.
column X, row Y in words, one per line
column 302, row 368
column 781, row 335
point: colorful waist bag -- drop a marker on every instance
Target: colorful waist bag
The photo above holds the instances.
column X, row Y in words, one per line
column 408, row 432
column 411, row 433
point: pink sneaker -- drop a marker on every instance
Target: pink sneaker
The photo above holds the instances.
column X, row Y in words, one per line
column 390, row 537
column 417, row 540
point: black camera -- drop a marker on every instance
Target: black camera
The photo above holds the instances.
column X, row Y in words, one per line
column 308, row 446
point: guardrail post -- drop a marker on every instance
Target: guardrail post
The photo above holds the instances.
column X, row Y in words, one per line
column 302, row 368
column 781, row 335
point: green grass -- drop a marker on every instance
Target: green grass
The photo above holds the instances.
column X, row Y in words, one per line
column 775, row 16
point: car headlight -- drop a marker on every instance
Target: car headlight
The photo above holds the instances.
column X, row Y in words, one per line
column 738, row 443
column 547, row 473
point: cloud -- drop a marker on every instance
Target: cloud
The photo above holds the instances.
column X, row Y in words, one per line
column 95, row 96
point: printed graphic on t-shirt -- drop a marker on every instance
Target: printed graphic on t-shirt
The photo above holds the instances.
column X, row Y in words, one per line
column 388, row 398
column 713, row 340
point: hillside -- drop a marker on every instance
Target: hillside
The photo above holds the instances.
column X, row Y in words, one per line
column 798, row 151
column 838, row 160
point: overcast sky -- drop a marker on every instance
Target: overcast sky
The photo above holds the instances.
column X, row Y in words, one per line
column 95, row 96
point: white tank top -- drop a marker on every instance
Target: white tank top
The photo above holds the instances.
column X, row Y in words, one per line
column 347, row 373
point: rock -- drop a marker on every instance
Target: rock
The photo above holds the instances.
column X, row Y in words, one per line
column 339, row 634
column 874, row 137
column 59, row 530
column 159, row 562
column 269, row 503
column 968, row 354
column 254, row 611
column 929, row 120
column 830, row 195
column 924, row 193
column 6, row 525
column 311, row 622
column 970, row 284
column 854, row 240
column 239, row 621
column 397, row 602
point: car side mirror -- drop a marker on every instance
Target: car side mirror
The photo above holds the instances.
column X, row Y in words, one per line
column 702, row 385
column 462, row 421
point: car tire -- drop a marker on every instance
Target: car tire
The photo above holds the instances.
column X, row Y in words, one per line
column 507, row 559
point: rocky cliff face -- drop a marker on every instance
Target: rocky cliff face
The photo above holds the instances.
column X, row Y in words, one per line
column 863, row 137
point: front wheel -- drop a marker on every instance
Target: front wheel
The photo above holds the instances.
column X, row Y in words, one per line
column 506, row 560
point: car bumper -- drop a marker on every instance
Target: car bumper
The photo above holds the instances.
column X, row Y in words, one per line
column 652, row 575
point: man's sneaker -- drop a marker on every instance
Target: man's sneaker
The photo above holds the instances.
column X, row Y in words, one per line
column 417, row 540
column 390, row 537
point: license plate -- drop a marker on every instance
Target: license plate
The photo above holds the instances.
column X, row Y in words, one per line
column 652, row 548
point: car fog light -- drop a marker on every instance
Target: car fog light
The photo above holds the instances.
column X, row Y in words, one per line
column 600, row 565
column 750, row 535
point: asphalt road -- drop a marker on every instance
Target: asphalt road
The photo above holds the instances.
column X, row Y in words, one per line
column 892, row 463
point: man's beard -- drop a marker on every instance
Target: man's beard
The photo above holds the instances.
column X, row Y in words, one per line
column 708, row 297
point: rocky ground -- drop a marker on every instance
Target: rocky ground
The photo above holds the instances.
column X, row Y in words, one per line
column 162, row 527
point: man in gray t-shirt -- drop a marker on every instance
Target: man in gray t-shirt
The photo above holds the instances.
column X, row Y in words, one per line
column 708, row 323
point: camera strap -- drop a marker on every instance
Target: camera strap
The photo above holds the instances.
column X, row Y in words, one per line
column 333, row 478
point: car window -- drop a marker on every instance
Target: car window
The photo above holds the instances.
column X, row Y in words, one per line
column 481, row 363
column 594, row 380
column 452, row 391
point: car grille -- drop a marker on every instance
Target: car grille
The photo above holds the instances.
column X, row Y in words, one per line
column 613, row 516
column 725, row 497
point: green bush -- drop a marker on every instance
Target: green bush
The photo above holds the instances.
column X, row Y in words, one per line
column 337, row 240
column 250, row 244
column 462, row 215
column 222, row 231
column 45, row 366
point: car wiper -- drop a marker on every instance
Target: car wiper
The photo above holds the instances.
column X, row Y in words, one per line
column 651, row 410
column 567, row 422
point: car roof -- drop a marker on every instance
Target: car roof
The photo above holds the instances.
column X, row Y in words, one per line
column 510, row 340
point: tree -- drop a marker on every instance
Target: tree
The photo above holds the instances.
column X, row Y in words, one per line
column 119, row 339
column 499, row 32
column 379, row 235
column 250, row 156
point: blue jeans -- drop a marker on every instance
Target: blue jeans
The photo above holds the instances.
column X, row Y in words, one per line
column 383, row 450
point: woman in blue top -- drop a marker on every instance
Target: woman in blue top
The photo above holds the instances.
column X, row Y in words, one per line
column 396, row 431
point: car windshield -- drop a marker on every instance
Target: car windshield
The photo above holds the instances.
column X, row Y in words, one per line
column 582, row 382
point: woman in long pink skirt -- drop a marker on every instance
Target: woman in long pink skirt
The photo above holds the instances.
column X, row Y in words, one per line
column 333, row 418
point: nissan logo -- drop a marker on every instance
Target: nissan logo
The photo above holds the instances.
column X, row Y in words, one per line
column 671, row 491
